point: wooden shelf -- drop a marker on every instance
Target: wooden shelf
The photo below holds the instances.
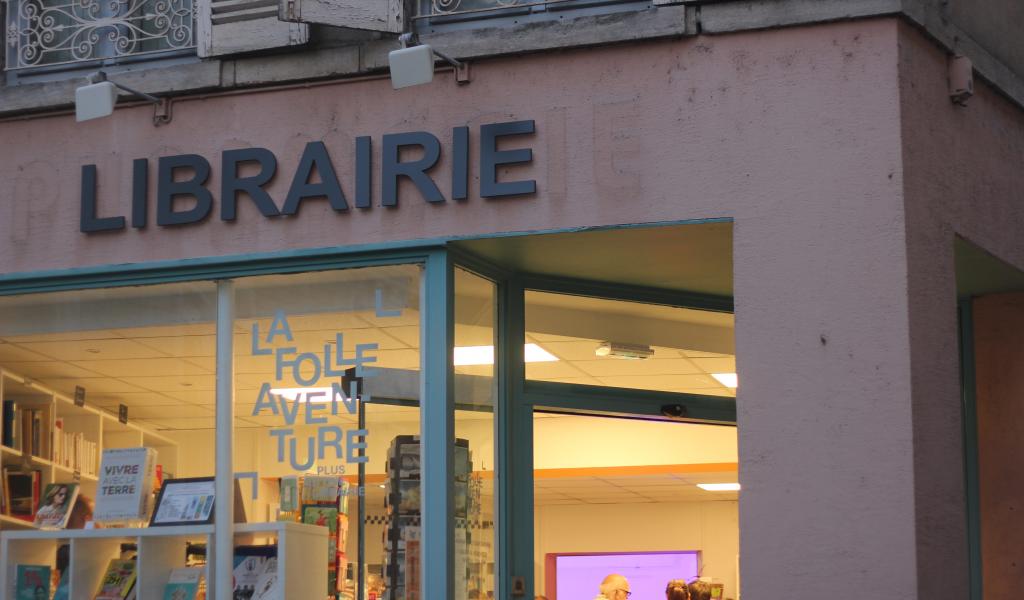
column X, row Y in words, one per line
column 14, row 522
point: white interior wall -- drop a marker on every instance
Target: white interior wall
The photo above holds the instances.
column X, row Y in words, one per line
column 711, row 527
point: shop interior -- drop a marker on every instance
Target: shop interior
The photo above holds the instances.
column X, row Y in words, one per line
column 327, row 380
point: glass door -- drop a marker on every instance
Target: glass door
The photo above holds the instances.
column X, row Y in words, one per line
column 634, row 481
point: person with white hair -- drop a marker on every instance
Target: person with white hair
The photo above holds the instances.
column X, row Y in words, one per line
column 614, row 587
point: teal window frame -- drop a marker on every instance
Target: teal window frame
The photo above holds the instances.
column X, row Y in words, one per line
column 972, row 485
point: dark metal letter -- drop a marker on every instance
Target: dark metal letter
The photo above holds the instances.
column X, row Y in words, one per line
column 364, row 173
column 140, row 191
column 167, row 189
column 89, row 222
column 315, row 155
column 460, row 163
column 392, row 168
column 232, row 184
column 491, row 157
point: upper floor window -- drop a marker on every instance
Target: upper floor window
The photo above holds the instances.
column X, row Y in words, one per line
column 63, row 33
column 453, row 11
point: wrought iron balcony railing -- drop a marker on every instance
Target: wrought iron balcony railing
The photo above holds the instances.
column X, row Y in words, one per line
column 42, row 33
column 497, row 8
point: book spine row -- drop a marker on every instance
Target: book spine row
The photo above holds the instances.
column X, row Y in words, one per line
column 73, row 451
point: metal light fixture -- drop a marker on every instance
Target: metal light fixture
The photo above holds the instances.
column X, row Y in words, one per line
column 413, row 64
column 624, row 351
column 97, row 100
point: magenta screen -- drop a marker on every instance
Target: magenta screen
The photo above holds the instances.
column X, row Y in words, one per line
column 578, row 577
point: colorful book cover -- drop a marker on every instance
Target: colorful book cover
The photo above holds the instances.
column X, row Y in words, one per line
column 33, row 582
column 55, row 508
column 289, row 494
column 118, row 581
column 319, row 489
column 126, row 483
column 269, row 585
column 183, row 584
column 246, row 575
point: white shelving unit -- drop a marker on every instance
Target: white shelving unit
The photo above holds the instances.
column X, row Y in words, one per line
column 95, row 424
column 301, row 552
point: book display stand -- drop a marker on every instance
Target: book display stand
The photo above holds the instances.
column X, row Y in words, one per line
column 300, row 564
column 403, row 556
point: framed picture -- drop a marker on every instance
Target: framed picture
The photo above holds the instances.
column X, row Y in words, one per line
column 184, row 502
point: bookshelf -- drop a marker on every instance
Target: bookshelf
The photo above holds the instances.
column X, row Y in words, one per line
column 88, row 423
column 300, row 551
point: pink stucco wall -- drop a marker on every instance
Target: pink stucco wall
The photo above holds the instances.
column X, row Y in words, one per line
column 962, row 177
column 794, row 133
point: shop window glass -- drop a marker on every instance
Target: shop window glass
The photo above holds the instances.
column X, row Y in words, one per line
column 327, row 418
column 636, row 509
column 474, row 457
column 95, row 370
column 600, row 342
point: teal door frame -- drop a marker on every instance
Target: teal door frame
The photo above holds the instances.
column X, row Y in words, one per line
column 518, row 399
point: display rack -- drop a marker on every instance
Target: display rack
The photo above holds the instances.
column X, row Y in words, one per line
column 300, row 552
column 95, row 425
column 402, row 552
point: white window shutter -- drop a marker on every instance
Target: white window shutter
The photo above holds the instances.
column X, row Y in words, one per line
column 233, row 26
column 372, row 15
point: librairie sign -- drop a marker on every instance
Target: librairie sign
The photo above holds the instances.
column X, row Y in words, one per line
column 184, row 178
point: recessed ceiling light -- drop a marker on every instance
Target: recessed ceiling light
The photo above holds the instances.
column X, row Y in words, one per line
column 729, row 380
column 466, row 356
column 719, row 487
column 381, row 486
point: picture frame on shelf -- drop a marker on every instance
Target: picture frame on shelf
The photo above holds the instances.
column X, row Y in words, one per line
column 186, row 501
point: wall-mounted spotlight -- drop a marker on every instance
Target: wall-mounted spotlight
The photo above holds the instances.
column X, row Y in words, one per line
column 413, row 64
column 97, row 100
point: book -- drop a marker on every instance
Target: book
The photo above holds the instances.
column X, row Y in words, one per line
column 125, row 486
column 319, row 489
column 33, row 582
column 289, row 493
column 183, row 584
column 246, row 575
column 55, row 508
column 62, row 587
column 118, row 580
column 269, row 585
column 22, row 488
column 9, row 411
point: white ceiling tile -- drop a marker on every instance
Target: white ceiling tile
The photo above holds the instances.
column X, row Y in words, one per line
column 141, row 367
column 94, row 349
column 11, row 354
column 609, row 367
column 716, row 365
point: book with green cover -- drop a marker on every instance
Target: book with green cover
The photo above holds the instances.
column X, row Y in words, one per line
column 33, row 582
column 118, row 581
column 183, row 584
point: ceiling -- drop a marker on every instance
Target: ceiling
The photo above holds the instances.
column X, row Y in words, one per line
column 694, row 258
column 166, row 373
column 979, row 273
